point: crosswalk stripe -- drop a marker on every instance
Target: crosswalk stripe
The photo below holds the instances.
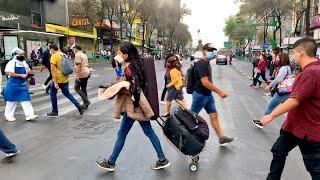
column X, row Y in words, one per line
column 68, row 109
column 48, row 105
column 46, row 97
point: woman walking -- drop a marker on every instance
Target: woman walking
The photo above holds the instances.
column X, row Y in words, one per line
column 281, row 74
column 260, row 71
column 175, row 86
column 16, row 89
column 166, row 76
column 133, row 73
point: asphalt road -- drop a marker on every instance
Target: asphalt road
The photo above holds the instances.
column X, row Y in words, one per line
column 65, row 148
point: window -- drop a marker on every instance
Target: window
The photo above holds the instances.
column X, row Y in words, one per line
column 35, row 19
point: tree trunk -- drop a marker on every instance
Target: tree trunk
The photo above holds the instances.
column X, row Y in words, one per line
column 143, row 38
column 130, row 33
column 111, row 34
column 308, row 8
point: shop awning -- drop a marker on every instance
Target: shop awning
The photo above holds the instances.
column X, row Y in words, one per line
column 35, row 32
column 106, row 25
column 70, row 31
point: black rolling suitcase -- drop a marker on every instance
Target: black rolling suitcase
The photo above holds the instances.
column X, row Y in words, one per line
column 186, row 132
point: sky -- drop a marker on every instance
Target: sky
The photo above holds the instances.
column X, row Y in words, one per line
column 209, row 16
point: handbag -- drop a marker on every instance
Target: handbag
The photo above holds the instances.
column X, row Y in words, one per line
column 285, row 87
column 32, row 81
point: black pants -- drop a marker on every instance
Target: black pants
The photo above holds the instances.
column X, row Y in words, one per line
column 256, row 79
column 164, row 91
column 81, row 88
column 49, row 78
column 285, row 143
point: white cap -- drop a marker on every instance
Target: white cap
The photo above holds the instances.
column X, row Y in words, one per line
column 17, row 50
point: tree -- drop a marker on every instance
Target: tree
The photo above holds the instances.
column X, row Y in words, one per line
column 308, row 8
column 299, row 9
column 132, row 13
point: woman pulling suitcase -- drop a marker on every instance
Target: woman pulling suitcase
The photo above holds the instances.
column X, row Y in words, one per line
column 133, row 73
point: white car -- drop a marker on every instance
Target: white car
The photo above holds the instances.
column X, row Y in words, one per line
column 221, row 59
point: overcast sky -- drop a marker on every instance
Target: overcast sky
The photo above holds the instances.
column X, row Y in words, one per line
column 209, row 16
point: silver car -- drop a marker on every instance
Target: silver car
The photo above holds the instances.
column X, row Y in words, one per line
column 221, row 59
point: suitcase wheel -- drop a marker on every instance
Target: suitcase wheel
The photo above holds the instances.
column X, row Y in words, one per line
column 195, row 159
column 193, row 167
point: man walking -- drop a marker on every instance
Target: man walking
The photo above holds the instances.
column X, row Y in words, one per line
column 59, row 81
column 46, row 63
column 302, row 126
column 82, row 74
column 202, row 92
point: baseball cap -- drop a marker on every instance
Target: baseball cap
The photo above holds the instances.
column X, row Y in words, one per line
column 209, row 47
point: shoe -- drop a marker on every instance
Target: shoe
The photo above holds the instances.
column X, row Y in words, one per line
column 267, row 94
column 81, row 110
column 225, row 140
column 44, row 86
column 104, row 164
column 161, row 164
column 29, row 118
column 10, row 157
column 251, row 85
column 260, row 83
column 13, row 154
column 254, row 87
column 11, row 119
column 257, row 123
column 166, row 115
column 162, row 102
column 52, row 114
column 86, row 105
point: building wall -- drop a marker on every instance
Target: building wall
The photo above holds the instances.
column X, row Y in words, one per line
column 56, row 12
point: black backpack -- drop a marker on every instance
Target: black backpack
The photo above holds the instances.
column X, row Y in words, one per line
column 190, row 79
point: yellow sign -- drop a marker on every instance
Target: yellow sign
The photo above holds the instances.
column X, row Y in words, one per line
column 80, row 22
column 71, row 32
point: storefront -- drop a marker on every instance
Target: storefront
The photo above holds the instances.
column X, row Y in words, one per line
column 74, row 36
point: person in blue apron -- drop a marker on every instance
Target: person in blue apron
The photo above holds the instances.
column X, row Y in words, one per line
column 16, row 89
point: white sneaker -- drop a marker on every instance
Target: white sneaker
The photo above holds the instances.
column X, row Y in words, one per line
column 163, row 102
column 44, row 86
column 29, row 118
column 10, row 119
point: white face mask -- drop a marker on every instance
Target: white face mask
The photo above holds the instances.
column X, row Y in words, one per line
column 119, row 59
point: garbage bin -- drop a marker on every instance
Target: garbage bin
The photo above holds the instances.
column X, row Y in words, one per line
column 3, row 63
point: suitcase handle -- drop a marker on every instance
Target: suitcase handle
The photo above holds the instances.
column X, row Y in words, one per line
column 161, row 122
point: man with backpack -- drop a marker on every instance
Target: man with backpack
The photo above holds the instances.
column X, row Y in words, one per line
column 202, row 91
column 60, row 70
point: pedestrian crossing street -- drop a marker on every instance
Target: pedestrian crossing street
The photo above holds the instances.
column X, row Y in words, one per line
column 42, row 104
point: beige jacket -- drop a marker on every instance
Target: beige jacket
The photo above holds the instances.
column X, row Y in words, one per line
column 124, row 103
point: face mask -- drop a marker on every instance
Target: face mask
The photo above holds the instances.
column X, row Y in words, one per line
column 20, row 58
column 209, row 55
column 119, row 59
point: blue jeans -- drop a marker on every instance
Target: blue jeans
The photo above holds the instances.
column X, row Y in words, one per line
column 5, row 145
column 125, row 127
column 275, row 101
column 65, row 91
column 200, row 101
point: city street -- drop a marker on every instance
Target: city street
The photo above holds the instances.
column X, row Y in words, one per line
column 66, row 148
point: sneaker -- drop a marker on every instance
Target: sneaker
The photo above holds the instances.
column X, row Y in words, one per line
column 267, row 94
column 81, row 110
column 257, row 123
column 29, row 118
column 104, row 164
column 161, row 164
column 260, row 82
column 10, row 157
column 13, row 154
column 52, row 114
column 11, row 119
column 86, row 105
column 225, row 141
column 44, row 86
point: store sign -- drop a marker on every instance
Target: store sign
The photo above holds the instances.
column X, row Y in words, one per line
column 10, row 17
column 80, row 22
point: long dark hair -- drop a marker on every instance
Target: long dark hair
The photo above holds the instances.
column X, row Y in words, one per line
column 284, row 59
column 135, row 61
